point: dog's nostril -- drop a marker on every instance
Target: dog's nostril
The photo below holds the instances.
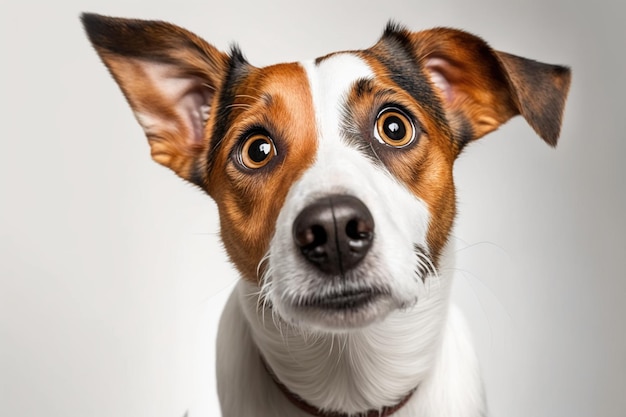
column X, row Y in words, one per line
column 359, row 229
column 306, row 236
column 334, row 233
column 319, row 235
column 310, row 237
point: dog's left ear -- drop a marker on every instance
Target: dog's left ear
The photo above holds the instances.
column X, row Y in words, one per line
column 485, row 88
column 170, row 78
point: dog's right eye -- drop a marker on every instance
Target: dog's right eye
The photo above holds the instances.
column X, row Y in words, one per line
column 394, row 128
column 257, row 150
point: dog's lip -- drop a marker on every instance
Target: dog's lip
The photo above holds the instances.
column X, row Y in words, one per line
column 344, row 300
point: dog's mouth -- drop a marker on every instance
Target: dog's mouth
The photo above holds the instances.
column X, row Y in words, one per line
column 343, row 308
column 345, row 300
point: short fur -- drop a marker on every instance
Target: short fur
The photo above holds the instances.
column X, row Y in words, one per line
column 318, row 124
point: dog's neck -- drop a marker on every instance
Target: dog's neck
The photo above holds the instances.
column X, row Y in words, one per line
column 317, row 412
column 356, row 370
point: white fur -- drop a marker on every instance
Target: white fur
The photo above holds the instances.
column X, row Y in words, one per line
column 410, row 341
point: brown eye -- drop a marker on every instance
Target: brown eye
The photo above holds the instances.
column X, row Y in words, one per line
column 394, row 128
column 257, row 151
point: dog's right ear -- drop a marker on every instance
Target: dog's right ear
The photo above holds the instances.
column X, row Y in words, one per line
column 481, row 88
column 169, row 76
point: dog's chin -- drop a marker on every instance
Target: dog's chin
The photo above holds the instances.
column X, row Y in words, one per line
column 340, row 312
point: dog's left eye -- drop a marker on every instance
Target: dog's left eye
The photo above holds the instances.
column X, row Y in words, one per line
column 394, row 128
column 257, row 150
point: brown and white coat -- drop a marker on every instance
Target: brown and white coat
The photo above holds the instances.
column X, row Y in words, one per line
column 265, row 143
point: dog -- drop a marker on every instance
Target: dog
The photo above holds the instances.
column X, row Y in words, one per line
column 334, row 186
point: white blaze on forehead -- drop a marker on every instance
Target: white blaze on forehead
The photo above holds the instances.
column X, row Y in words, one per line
column 331, row 82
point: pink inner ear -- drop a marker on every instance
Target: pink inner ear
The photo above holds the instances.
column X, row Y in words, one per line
column 183, row 105
column 436, row 68
column 195, row 107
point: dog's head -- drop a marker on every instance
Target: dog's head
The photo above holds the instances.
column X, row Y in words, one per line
column 333, row 177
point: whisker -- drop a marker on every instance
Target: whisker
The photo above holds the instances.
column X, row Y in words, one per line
column 468, row 274
column 480, row 303
column 247, row 96
column 430, row 268
column 467, row 245
column 375, row 154
column 263, row 272
column 482, row 243
column 238, row 106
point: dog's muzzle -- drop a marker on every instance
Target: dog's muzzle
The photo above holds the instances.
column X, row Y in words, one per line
column 334, row 233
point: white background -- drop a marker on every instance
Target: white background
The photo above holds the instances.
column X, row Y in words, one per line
column 111, row 274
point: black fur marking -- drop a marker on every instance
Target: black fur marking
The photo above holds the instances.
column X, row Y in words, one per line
column 357, row 131
column 463, row 130
column 393, row 28
column 321, row 59
column 196, row 175
column 540, row 90
column 425, row 265
column 363, row 86
column 238, row 68
column 136, row 38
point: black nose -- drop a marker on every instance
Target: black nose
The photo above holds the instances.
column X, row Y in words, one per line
column 334, row 233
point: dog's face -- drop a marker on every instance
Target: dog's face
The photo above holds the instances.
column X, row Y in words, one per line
column 333, row 178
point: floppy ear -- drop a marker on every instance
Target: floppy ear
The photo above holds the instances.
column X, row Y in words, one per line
column 169, row 77
column 485, row 88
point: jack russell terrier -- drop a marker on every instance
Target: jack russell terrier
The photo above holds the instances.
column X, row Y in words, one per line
column 333, row 180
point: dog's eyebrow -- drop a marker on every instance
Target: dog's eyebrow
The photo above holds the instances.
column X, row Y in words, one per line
column 365, row 86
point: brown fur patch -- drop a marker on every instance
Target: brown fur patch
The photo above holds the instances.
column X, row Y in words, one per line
column 278, row 100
